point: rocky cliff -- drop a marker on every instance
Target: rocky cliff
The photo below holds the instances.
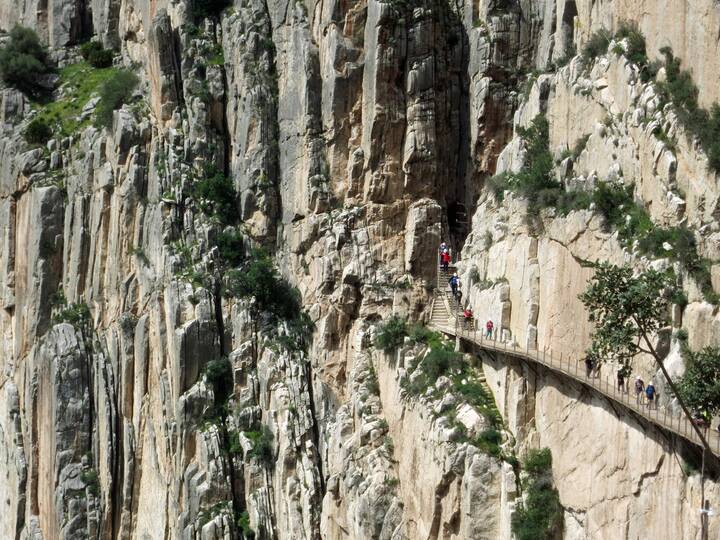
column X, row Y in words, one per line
column 357, row 136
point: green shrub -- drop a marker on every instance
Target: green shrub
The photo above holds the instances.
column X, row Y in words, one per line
column 114, row 93
column 539, row 515
column 234, row 448
column 259, row 279
column 636, row 50
column 91, row 480
column 422, row 334
column 216, row 196
column 23, row 60
column 700, row 385
column 101, row 58
column 95, row 55
column 87, row 48
column 76, row 314
column 597, row 45
column 219, row 374
column 37, row 132
column 231, row 246
column 489, row 441
column 538, row 462
column 440, row 360
column 391, row 334
column 262, row 441
column 243, row 523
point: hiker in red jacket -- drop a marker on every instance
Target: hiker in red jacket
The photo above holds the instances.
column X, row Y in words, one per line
column 445, row 259
column 489, row 329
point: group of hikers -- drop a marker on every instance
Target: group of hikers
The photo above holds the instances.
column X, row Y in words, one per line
column 456, row 289
column 643, row 394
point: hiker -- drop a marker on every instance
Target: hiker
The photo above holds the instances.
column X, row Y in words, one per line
column 639, row 388
column 458, row 290
column 453, row 281
column 443, row 247
column 589, row 365
column 699, row 420
column 445, row 260
column 621, row 379
column 650, row 394
column 468, row 317
column 489, row 329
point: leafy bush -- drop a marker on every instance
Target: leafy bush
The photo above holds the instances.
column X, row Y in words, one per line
column 76, row 314
column 216, row 196
column 243, row 523
column 22, row 60
column 114, row 93
column 538, row 462
column 535, row 181
column 391, row 334
column 37, row 132
column 91, row 480
column 231, row 246
column 636, row 49
column 699, row 387
column 440, row 360
column 422, row 334
column 489, row 441
column 260, row 280
column 262, row 441
column 219, row 374
column 597, row 45
column 95, row 55
column 539, row 515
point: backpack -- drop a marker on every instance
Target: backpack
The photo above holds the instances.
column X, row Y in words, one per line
column 453, row 281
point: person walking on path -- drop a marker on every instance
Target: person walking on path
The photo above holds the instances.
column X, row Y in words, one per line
column 458, row 289
column 589, row 365
column 468, row 316
column 489, row 329
column 445, row 260
column 650, row 394
column 639, row 388
column 453, row 281
column 621, row 379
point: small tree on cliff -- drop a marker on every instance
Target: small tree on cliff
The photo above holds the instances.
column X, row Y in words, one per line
column 269, row 294
column 23, row 60
column 628, row 310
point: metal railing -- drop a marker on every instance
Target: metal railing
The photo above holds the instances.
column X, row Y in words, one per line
column 571, row 367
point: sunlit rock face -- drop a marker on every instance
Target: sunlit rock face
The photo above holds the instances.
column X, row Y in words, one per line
column 357, row 136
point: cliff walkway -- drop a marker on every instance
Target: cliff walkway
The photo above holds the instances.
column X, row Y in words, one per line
column 446, row 317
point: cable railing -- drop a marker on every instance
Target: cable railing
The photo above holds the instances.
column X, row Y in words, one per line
column 571, row 367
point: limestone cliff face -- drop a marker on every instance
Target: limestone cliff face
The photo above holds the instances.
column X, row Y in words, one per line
column 357, row 136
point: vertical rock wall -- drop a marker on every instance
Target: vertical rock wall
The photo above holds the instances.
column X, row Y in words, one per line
column 357, row 135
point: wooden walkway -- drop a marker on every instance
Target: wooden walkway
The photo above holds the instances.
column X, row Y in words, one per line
column 446, row 317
